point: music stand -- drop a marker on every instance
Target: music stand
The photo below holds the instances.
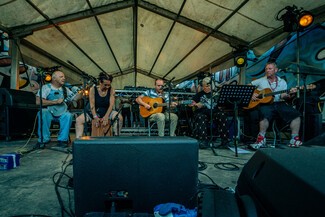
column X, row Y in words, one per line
column 235, row 96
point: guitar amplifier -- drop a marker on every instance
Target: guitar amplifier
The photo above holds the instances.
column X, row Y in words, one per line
column 18, row 111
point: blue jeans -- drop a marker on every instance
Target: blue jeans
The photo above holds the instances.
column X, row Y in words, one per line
column 65, row 121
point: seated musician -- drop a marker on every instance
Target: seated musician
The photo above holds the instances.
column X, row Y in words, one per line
column 268, row 111
column 101, row 100
column 53, row 95
column 146, row 101
column 202, row 116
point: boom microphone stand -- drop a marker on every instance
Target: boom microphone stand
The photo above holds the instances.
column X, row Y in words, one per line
column 211, row 83
column 116, row 118
column 169, row 86
column 89, row 78
column 40, row 78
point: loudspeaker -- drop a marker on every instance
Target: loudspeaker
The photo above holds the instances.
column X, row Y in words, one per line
column 134, row 173
column 286, row 182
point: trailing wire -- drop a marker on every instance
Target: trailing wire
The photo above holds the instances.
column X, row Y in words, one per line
column 21, row 149
column 226, row 166
column 57, row 185
column 202, row 166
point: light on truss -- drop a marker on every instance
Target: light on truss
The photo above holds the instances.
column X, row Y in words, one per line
column 240, row 58
column 305, row 19
column 48, row 77
column 294, row 19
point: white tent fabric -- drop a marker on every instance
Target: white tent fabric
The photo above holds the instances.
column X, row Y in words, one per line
column 138, row 41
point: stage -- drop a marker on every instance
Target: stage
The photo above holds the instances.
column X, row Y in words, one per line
column 29, row 189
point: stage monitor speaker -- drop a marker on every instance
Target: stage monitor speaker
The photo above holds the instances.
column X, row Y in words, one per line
column 134, row 173
column 286, row 182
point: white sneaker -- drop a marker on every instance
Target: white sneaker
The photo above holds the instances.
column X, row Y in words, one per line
column 295, row 142
column 260, row 142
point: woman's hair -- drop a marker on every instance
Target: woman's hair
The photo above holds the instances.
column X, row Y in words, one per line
column 207, row 81
column 104, row 76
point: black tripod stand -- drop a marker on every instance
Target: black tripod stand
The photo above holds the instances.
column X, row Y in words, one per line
column 235, row 96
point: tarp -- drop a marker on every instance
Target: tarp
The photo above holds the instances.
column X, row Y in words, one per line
column 138, row 41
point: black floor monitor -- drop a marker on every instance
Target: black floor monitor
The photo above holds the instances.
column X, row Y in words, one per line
column 134, row 173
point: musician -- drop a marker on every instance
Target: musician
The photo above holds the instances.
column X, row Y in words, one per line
column 126, row 111
column 101, row 101
column 202, row 115
column 160, row 118
column 53, row 94
column 278, row 108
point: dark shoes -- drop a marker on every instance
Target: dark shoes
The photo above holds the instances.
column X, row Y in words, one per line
column 62, row 144
column 41, row 145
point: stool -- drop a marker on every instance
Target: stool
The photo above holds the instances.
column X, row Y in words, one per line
column 277, row 132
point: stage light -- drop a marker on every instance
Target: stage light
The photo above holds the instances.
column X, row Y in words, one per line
column 240, row 58
column 305, row 19
column 294, row 19
column 48, row 77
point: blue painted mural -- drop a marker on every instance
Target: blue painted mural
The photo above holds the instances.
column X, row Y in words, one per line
column 311, row 58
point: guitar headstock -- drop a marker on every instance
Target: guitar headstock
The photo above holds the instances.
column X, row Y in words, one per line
column 311, row 86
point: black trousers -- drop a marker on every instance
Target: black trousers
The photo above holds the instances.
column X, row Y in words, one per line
column 202, row 124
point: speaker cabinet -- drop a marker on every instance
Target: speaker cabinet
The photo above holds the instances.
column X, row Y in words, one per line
column 147, row 171
column 286, row 182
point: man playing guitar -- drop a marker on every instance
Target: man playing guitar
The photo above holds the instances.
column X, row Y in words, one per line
column 278, row 108
column 53, row 94
column 158, row 117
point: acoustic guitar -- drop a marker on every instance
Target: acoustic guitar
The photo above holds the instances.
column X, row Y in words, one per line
column 266, row 95
column 157, row 105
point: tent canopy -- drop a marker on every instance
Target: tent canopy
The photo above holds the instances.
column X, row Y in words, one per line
column 138, row 41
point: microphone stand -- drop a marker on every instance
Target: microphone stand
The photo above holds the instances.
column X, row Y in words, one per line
column 169, row 86
column 303, row 76
column 41, row 73
column 113, row 121
column 211, row 114
column 85, row 77
column 85, row 132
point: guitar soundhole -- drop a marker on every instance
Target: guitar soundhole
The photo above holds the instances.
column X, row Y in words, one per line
column 154, row 105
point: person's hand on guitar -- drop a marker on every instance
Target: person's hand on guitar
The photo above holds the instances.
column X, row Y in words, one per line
column 196, row 105
column 58, row 101
column 255, row 96
column 290, row 94
column 147, row 106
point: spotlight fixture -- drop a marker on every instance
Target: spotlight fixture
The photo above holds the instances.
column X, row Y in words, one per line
column 294, row 19
column 48, row 77
column 305, row 19
column 240, row 58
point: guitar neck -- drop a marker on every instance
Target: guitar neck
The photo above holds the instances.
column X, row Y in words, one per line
column 71, row 96
column 277, row 92
column 186, row 102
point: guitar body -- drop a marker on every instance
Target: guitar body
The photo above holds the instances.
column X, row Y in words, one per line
column 265, row 96
column 155, row 104
column 58, row 110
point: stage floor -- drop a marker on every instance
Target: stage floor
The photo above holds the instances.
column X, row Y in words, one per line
column 30, row 189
